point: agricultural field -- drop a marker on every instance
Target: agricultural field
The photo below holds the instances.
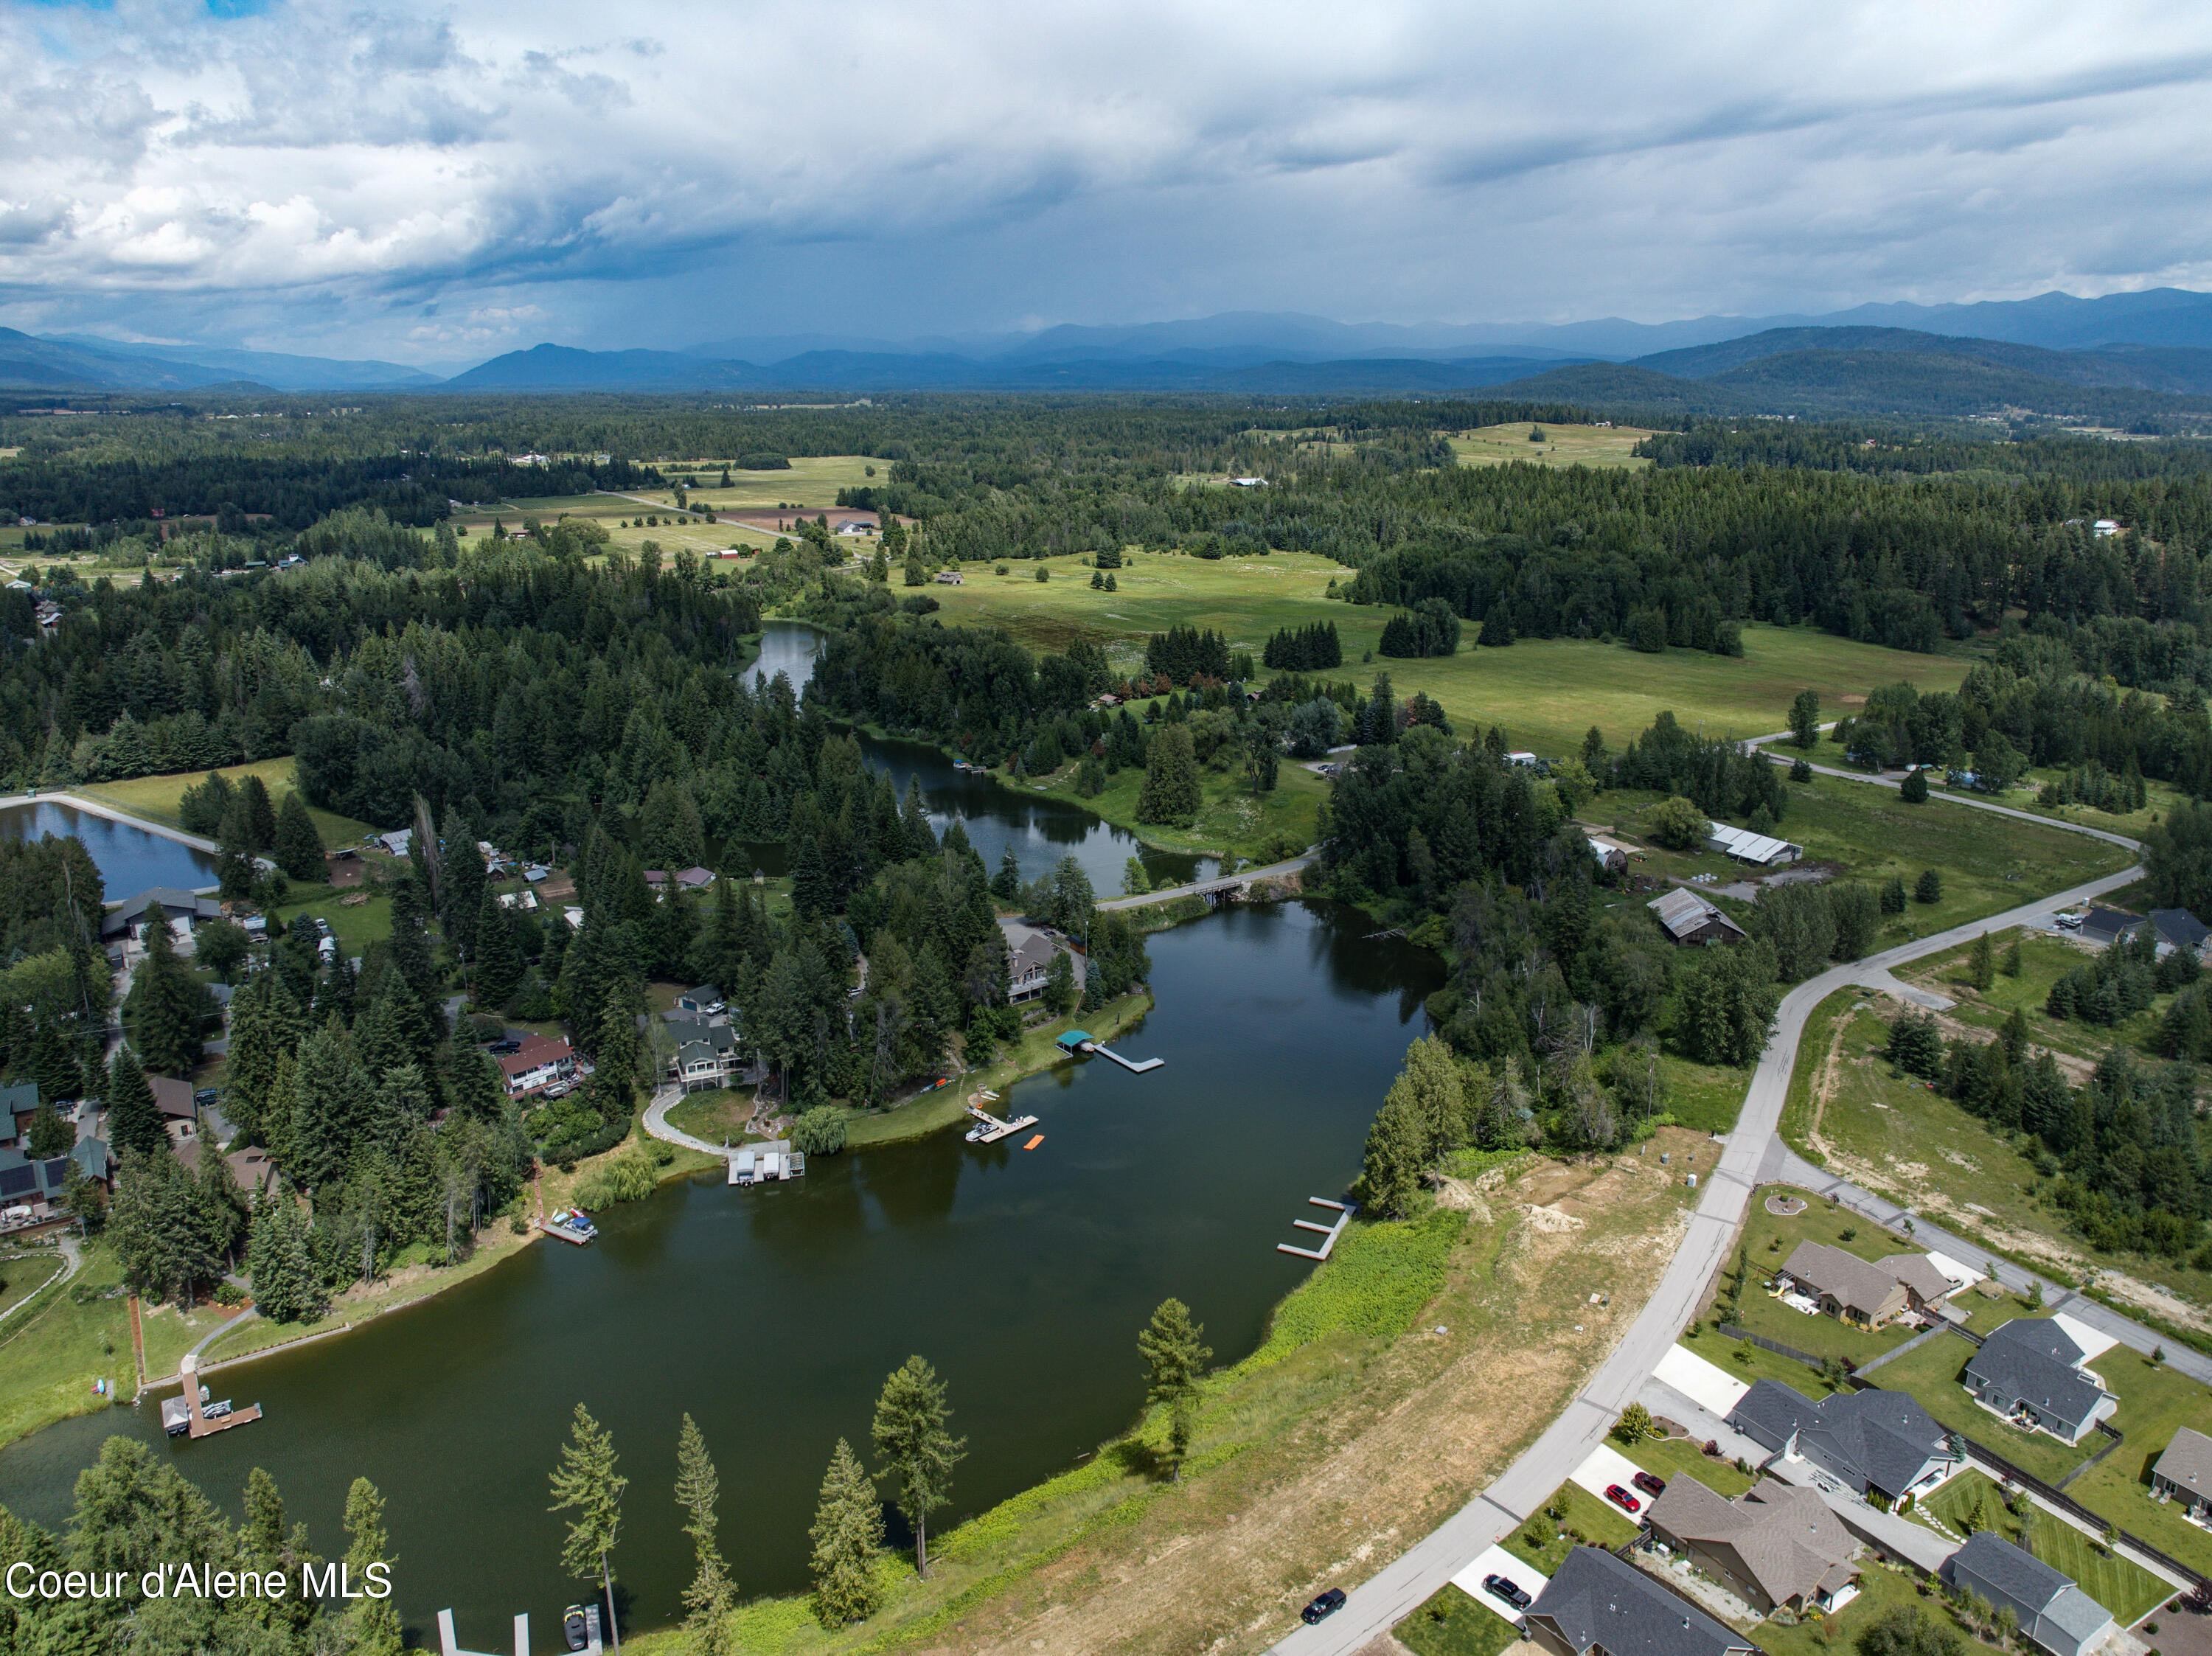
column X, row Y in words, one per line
column 1545, row 692
column 1889, row 1133
column 155, row 797
column 1563, row 446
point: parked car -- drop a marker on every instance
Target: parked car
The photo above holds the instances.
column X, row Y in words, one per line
column 1622, row 1499
column 1650, row 1485
column 1505, row 1587
column 207, row 1097
column 504, row 1048
column 1323, row 1607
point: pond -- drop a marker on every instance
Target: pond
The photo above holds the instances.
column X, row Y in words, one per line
column 130, row 859
column 772, row 1316
column 1041, row 828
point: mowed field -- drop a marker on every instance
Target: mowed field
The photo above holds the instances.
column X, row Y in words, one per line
column 156, row 798
column 812, row 484
column 1546, row 693
column 1563, row 446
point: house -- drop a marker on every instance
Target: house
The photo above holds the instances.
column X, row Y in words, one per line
column 1760, row 850
column 18, row 1104
column 182, row 909
column 2104, row 528
column 2178, row 928
column 1248, row 483
column 253, row 1172
column 2053, row 1612
column 2183, row 1473
column 706, row 999
column 1612, row 855
column 949, row 578
column 857, row 526
column 1852, row 1290
column 1690, row 918
column 695, row 878
column 1777, row 1547
column 541, row 1062
column 1874, row 1441
column 707, row 1054
column 2030, row 1371
column 174, row 1098
column 1523, row 758
column 1029, row 960
column 520, row 901
column 31, row 1190
column 1596, row 1604
column 1846, row 1287
column 2108, row 926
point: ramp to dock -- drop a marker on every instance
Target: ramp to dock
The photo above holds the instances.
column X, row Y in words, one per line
column 1344, row 1212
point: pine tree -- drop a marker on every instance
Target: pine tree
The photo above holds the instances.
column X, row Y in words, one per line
column 286, row 1288
column 1982, row 964
column 1805, row 718
column 848, row 1540
column 1929, row 887
column 1006, row 883
column 1175, row 1352
column 133, row 1122
column 917, row 1452
column 49, row 1136
column 499, row 963
column 329, row 1105
column 54, row 1062
column 374, row 1623
column 260, row 817
column 2014, row 964
column 167, row 1005
column 461, row 891
column 411, row 942
column 298, row 849
column 1396, row 1154
column 698, row 1488
column 1171, row 790
column 586, row 1483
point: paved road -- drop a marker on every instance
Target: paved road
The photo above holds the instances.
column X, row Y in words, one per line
column 656, row 1122
column 1380, row 1603
column 1169, row 894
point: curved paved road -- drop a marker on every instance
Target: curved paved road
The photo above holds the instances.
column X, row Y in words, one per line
column 1381, row 1603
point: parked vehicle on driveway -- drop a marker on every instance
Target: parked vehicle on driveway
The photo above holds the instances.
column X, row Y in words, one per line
column 1505, row 1587
column 1650, row 1485
column 1622, row 1499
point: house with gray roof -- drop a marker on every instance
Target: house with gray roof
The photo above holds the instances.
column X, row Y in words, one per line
column 1875, row 1441
column 1029, row 950
column 2030, row 1372
column 1688, row 917
column 2183, row 1473
column 1596, row 1604
column 2053, row 1612
column 1776, row 1547
column 2178, row 928
column 1844, row 1286
column 183, row 910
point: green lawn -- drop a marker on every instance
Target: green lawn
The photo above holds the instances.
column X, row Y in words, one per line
column 2125, row 1588
column 2154, row 1401
column 1931, row 1374
column 24, row 1275
column 1588, row 1520
column 1749, row 1362
column 155, row 797
column 1451, row 1624
column 1546, row 693
column 49, row 1357
column 1769, row 1240
column 1680, row 1457
column 356, row 925
column 1881, row 1588
column 713, row 1115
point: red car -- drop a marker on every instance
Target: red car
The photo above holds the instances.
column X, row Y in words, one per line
column 1622, row 1499
column 1650, row 1485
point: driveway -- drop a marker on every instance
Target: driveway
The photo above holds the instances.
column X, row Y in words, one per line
column 656, row 1123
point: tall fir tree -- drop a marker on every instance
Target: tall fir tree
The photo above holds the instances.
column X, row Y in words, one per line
column 499, row 963
column 298, row 848
column 461, row 894
column 849, row 1542
column 587, row 1483
column 1170, row 791
column 373, row 1627
column 166, row 1006
column 918, row 1453
column 1175, row 1352
column 133, row 1122
column 330, row 1100
column 708, row 1601
column 259, row 815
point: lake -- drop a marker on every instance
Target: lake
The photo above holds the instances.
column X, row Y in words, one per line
column 773, row 1315
column 130, row 859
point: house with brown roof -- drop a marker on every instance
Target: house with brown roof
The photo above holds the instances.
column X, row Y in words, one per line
column 2183, row 1473
column 1846, row 1287
column 1776, row 1547
column 541, row 1062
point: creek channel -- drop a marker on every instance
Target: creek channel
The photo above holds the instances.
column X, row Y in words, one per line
column 772, row 1315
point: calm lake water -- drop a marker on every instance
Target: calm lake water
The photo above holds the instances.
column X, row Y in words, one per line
column 772, row 1316
column 130, row 859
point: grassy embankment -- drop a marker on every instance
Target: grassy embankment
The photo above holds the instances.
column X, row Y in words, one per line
column 1395, row 1380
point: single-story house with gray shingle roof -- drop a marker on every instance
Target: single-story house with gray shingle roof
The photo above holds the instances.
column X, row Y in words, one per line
column 2030, row 1371
column 130, row 915
column 2184, row 1471
column 1928, row 1286
column 1596, row 1604
column 1877, row 1440
column 2178, row 928
column 2053, row 1612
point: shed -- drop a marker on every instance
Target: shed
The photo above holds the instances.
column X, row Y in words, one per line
column 1687, row 918
column 1761, row 850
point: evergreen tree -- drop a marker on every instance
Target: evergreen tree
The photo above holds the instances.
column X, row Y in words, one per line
column 166, row 1006
column 698, row 1489
column 1982, row 964
column 1805, row 718
column 54, row 1062
column 374, row 1623
column 586, row 1483
column 1006, row 883
column 1395, row 1157
column 260, row 817
column 2014, row 964
column 1174, row 1353
column 848, row 1540
column 410, row 944
column 133, row 1122
column 49, row 1136
column 1171, row 788
column 331, row 1098
column 917, row 1452
column 1914, row 789
column 462, row 885
column 499, row 963
column 298, row 849
column 1928, row 888
column 286, row 1289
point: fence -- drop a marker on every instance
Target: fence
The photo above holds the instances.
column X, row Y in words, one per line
column 2113, row 1438
column 1776, row 1346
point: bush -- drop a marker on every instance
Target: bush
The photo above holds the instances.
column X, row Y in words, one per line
column 819, row 1132
column 1915, row 789
column 630, row 1177
column 1676, row 823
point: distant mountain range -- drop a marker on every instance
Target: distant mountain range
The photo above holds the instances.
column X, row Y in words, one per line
column 2124, row 357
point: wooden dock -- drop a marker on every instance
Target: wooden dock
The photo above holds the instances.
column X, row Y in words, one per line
column 989, row 1130
column 186, row 1417
column 1135, row 1065
column 1329, row 1233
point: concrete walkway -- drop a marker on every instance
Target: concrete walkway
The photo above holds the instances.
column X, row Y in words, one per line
column 665, row 1098
column 1169, row 894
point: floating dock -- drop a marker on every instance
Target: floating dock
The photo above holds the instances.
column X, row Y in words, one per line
column 191, row 1415
column 1329, row 1233
column 989, row 1130
column 566, row 1233
column 1081, row 1040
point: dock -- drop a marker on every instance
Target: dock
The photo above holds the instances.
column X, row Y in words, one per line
column 1081, row 1040
column 566, row 1233
column 1329, row 1233
column 192, row 1416
column 762, row 1164
column 989, row 1130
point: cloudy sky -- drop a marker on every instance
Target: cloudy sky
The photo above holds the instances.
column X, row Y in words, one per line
column 436, row 183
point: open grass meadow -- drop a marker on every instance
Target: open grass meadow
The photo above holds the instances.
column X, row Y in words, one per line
column 155, row 798
column 1233, row 818
column 2044, row 960
column 1561, row 446
column 1545, row 692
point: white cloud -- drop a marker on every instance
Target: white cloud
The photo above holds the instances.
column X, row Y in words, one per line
column 859, row 164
